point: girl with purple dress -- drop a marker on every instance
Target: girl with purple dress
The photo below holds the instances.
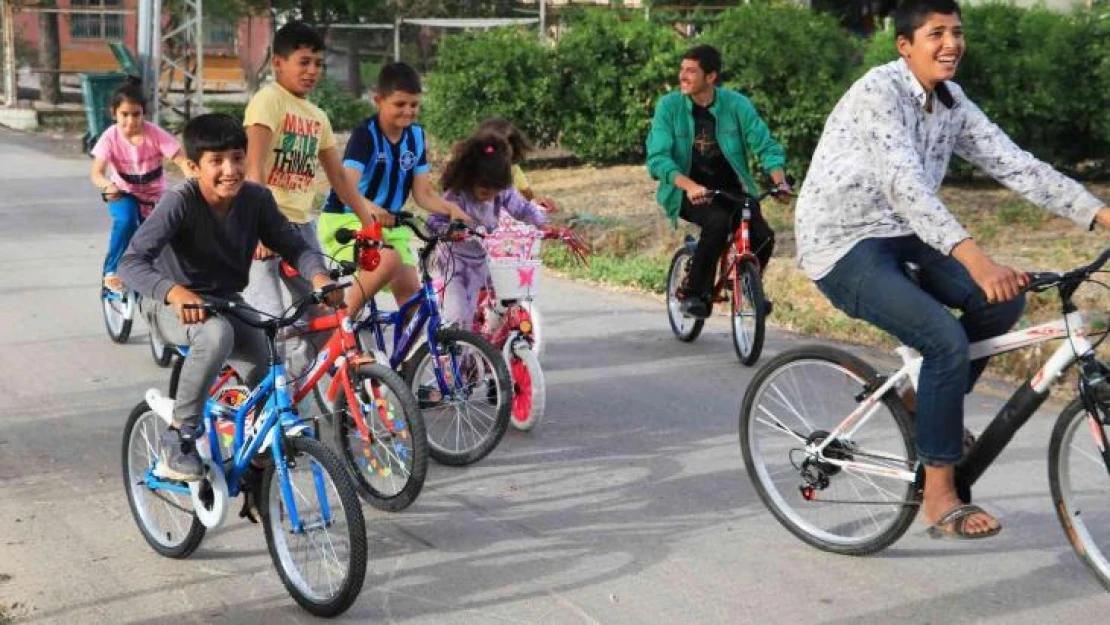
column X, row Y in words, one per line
column 479, row 179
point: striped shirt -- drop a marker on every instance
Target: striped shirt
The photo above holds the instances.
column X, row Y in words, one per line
column 387, row 168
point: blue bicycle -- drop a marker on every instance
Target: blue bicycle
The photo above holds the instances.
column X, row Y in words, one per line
column 459, row 378
column 257, row 446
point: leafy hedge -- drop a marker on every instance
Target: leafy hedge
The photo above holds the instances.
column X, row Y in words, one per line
column 1044, row 77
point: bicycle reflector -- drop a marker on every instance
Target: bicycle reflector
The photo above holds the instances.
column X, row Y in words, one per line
column 369, row 256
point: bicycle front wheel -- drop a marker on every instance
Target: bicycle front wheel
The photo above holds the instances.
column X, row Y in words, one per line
column 1080, row 483
column 685, row 328
column 529, row 389
column 466, row 420
column 799, row 398
column 321, row 559
column 118, row 309
column 160, row 351
column 390, row 461
column 749, row 312
column 165, row 517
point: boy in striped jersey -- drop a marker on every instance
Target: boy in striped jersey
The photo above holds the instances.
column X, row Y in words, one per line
column 387, row 160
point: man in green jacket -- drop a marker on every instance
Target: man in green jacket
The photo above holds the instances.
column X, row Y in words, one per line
column 699, row 141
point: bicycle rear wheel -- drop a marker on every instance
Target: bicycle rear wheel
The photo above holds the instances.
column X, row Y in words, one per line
column 322, row 562
column 685, row 328
column 749, row 312
column 799, row 398
column 1080, row 484
column 160, row 351
column 165, row 517
column 466, row 422
column 118, row 310
column 390, row 463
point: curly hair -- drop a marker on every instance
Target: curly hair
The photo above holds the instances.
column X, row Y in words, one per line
column 483, row 160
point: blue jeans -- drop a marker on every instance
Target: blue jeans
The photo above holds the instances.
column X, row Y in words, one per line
column 870, row 284
column 125, row 221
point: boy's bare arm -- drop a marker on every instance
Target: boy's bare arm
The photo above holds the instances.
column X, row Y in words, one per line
column 345, row 183
column 429, row 200
column 258, row 143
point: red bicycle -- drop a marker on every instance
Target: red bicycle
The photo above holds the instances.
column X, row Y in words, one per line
column 738, row 282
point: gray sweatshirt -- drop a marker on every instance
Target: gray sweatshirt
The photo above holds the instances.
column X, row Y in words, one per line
column 185, row 242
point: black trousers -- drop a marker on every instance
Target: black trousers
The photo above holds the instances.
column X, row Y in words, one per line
column 718, row 220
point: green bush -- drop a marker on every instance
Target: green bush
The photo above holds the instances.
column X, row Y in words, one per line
column 344, row 110
column 502, row 72
column 613, row 71
column 793, row 63
column 235, row 109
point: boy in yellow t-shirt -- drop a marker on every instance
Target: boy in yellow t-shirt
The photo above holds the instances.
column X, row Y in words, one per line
column 288, row 137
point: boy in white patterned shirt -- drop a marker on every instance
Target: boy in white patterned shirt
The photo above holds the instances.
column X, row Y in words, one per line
column 869, row 204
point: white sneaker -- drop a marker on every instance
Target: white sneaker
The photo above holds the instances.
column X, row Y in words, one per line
column 162, row 406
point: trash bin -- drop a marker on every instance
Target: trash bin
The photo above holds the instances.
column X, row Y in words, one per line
column 96, row 93
column 126, row 60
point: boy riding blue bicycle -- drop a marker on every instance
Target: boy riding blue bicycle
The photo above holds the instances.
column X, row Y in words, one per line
column 200, row 242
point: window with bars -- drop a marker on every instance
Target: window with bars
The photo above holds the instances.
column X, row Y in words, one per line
column 94, row 26
column 220, row 33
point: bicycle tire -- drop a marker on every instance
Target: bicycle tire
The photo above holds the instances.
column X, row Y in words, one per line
column 165, row 542
column 685, row 328
column 529, row 390
column 383, row 461
column 1081, row 498
column 118, row 313
column 748, row 302
column 449, row 421
column 160, row 351
column 336, row 601
column 850, row 376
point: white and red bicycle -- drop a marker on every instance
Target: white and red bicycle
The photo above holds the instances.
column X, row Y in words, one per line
column 827, row 441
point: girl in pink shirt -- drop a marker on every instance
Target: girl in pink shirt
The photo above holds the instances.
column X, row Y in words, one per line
column 135, row 149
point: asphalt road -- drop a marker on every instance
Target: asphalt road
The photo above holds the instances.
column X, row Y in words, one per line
column 629, row 504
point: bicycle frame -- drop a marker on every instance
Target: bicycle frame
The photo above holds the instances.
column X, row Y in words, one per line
column 740, row 248
column 1011, row 417
column 276, row 408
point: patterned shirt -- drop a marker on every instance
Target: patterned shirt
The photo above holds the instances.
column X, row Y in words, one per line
column 882, row 158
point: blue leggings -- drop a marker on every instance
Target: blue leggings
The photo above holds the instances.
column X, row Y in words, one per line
column 125, row 221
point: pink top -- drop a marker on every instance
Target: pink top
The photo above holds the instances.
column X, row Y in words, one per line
column 137, row 169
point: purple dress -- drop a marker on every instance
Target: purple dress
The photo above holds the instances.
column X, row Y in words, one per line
column 462, row 265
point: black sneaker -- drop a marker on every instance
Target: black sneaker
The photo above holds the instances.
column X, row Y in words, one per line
column 695, row 307
column 178, row 459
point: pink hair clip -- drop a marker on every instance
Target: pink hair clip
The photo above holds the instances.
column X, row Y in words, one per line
column 489, row 149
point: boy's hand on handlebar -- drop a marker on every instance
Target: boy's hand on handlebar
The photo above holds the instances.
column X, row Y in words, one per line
column 380, row 215
column 999, row 282
column 188, row 305
column 699, row 195
column 334, row 298
column 782, row 192
column 261, row 252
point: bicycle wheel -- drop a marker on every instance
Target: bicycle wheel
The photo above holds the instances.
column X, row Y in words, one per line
column 1080, row 484
column 160, row 351
column 388, row 465
column 799, row 398
column 165, row 518
column 529, row 389
column 537, row 327
column 685, row 328
column 749, row 313
column 466, row 423
column 323, row 561
column 118, row 309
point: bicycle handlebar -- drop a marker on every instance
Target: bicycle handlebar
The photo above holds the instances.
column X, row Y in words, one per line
column 214, row 304
column 1042, row 281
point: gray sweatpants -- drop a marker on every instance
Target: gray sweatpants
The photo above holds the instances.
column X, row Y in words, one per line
column 219, row 340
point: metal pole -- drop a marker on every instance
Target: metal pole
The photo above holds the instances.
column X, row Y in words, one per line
column 543, row 21
column 397, row 39
column 199, row 43
column 155, row 104
column 11, row 89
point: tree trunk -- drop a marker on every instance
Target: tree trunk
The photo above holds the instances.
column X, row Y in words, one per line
column 50, row 56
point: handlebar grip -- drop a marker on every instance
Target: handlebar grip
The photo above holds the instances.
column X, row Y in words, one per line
column 343, row 236
column 345, row 268
column 404, row 216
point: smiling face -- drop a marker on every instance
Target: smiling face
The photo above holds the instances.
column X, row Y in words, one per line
column 692, row 79
column 397, row 110
column 129, row 117
column 299, row 72
column 220, row 174
column 936, row 49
